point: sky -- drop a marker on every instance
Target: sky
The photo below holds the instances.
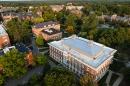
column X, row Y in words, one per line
column 60, row 0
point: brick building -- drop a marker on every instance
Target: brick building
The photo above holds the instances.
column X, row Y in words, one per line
column 48, row 30
column 4, row 38
column 82, row 56
column 51, row 34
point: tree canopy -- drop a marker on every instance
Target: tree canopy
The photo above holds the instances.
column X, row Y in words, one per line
column 19, row 31
column 39, row 41
column 13, row 65
column 59, row 77
column 86, row 80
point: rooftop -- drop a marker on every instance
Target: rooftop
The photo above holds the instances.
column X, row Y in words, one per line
column 22, row 47
column 19, row 46
column 45, row 24
column 87, row 51
column 5, row 9
column 5, row 50
column 50, row 31
column 2, row 30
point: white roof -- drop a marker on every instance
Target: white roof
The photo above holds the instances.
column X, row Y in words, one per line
column 87, row 51
column 2, row 30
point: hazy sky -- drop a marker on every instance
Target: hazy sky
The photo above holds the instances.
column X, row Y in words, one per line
column 62, row 0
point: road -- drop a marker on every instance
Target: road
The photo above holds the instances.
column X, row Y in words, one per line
column 35, row 49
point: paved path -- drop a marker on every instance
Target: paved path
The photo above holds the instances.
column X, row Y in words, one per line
column 128, row 64
column 109, row 77
column 35, row 49
column 26, row 77
column 44, row 52
column 118, row 81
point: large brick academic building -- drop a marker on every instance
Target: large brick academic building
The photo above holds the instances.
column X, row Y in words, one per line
column 82, row 56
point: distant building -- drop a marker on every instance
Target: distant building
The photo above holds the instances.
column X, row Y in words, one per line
column 51, row 34
column 47, row 30
column 21, row 15
column 82, row 56
column 8, row 15
column 4, row 38
column 8, row 9
column 39, row 12
column 25, row 16
column 115, row 17
column 72, row 7
column 77, row 10
column 57, row 8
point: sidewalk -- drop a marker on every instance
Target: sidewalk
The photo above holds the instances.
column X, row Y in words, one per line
column 109, row 77
column 118, row 80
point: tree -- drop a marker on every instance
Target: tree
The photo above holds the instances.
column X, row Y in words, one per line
column 19, row 31
column 59, row 77
column 87, row 80
column 41, row 60
column 39, row 41
column 90, row 26
column 13, row 64
column 70, row 30
column 49, row 16
column 2, row 80
column 70, row 20
column 38, row 20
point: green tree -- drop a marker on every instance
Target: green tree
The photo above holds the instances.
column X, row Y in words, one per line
column 59, row 77
column 13, row 64
column 38, row 20
column 70, row 30
column 41, row 60
column 87, row 80
column 39, row 41
column 19, row 31
column 2, row 80
column 70, row 20
column 90, row 26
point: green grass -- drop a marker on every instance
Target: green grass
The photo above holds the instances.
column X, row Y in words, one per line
column 113, row 79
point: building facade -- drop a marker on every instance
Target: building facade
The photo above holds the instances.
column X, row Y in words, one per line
column 57, row 8
column 4, row 38
column 82, row 56
column 51, row 34
column 48, row 30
